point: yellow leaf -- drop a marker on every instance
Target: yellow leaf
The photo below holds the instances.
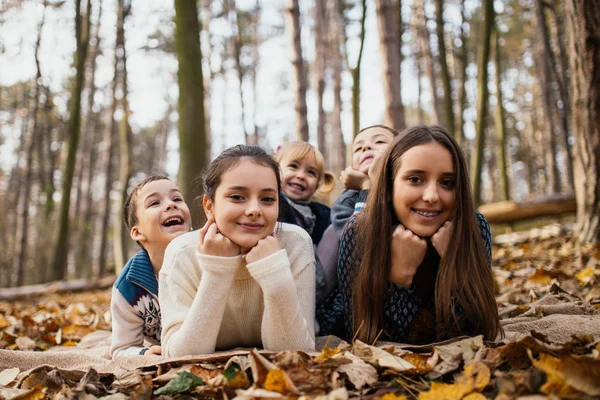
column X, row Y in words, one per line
column 326, row 354
column 586, row 275
column 540, row 276
column 3, row 322
column 555, row 381
column 419, row 361
column 275, row 381
column 474, row 396
column 69, row 344
column 476, row 376
column 444, row 391
column 392, row 396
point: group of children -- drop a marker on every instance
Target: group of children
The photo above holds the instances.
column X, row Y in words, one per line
column 402, row 254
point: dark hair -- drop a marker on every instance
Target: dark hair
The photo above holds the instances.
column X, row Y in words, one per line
column 230, row 158
column 387, row 128
column 129, row 208
column 464, row 278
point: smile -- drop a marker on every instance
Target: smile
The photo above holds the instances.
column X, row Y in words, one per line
column 428, row 214
column 173, row 221
column 296, row 186
column 252, row 227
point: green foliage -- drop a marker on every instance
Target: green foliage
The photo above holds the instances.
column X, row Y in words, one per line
column 184, row 382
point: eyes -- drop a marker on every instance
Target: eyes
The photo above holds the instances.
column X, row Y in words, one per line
column 294, row 166
column 238, row 198
column 156, row 202
column 377, row 142
column 447, row 183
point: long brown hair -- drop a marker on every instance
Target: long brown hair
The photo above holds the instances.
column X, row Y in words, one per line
column 464, row 279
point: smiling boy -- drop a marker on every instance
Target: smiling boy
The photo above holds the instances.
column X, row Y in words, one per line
column 154, row 213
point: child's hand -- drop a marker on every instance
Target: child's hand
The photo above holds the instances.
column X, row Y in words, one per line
column 153, row 351
column 375, row 164
column 441, row 238
column 213, row 243
column 264, row 248
column 354, row 179
column 408, row 251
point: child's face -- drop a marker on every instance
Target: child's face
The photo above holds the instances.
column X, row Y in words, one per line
column 299, row 178
column 246, row 204
column 161, row 213
column 366, row 144
column 425, row 191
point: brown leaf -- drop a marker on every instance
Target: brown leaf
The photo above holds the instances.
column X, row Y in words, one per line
column 581, row 373
column 260, row 367
column 8, row 375
column 359, row 373
column 380, row 357
column 36, row 393
column 25, row 343
column 476, row 376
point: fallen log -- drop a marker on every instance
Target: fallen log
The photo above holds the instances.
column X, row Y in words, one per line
column 511, row 211
column 79, row 285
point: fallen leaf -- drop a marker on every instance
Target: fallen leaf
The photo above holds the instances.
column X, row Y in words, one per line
column 25, row 343
column 454, row 354
column 327, row 353
column 392, row 396
column 257, row 393
column 555, row 380
column 260, row 367
column 184, row 382
column 236, row 377
column 359, row 373
column 586, row 275
column 581, row 373
column 8, row 375
column 380, row 357
column 278, row 381
column 541, row 277
column 444, row 391
column 476, row 376
column 35, row 393
column 474, row 396
column 337, row 394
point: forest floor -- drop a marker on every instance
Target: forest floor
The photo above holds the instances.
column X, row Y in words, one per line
column 528, row 267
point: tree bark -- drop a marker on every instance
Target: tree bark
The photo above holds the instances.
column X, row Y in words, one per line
column 125, row 144
column 192, row 128
column 545, row 79
column 234, row 22
column 320, row 28
column 583, row 27
column 299, row 75
column 464, row 60
column 390, row 64
column 336, row 157
column 482, row 99
column 355, row 72
column 500, row 122
column 31, row 137
column 446, row 78
column 82, row 35
column 425, row 51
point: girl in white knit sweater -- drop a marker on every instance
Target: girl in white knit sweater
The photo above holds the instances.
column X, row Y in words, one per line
column 244, row 279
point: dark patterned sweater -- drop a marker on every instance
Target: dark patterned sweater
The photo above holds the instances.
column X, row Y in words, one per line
column 408, row 314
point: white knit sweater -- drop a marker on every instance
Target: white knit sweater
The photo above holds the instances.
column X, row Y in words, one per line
column 211, row 303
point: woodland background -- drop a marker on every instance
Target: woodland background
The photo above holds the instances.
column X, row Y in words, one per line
column 517, row 82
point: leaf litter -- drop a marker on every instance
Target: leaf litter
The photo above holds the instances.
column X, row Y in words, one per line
column 532, row 366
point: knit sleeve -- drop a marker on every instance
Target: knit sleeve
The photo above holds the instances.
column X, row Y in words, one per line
column 127, row 328
column 193, row 295
column 289, row 297
column 361, row 201
column 348, row 263
column 342, row 210
column 486, row 235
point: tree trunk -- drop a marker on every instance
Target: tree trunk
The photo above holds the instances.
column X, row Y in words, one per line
column 319, row 67
column 425, row 51
column 82, row 35
column 355, row 72
column 254, row 70
column 237, row 34
column 390, row 64
column 583, row 27
column 545, row 79
column 500, row 122
column 299, row 76
column 192, row 128
column 464, row 60
column 31, row 137
column 125, row 145
column 482, row 99
column 446, row 78
column 337, row 158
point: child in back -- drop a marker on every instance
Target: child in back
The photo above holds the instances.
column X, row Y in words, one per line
column 367, row 145
column 302, row 175
column 154, row 213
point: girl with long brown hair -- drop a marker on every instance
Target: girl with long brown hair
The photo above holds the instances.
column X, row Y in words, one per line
column 413, row 266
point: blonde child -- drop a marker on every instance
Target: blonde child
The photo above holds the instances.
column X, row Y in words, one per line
column 243, row 279
column 154, row 213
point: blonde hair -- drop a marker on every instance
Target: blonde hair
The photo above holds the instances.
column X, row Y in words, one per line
column 297, row 150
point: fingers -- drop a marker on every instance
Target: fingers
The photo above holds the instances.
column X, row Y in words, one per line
column 204, row 229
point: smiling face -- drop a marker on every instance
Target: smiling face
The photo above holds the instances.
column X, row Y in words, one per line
column 162, row 215
column 366, row 144
column 425, row 191
column 299, row 178
column 246, row 203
